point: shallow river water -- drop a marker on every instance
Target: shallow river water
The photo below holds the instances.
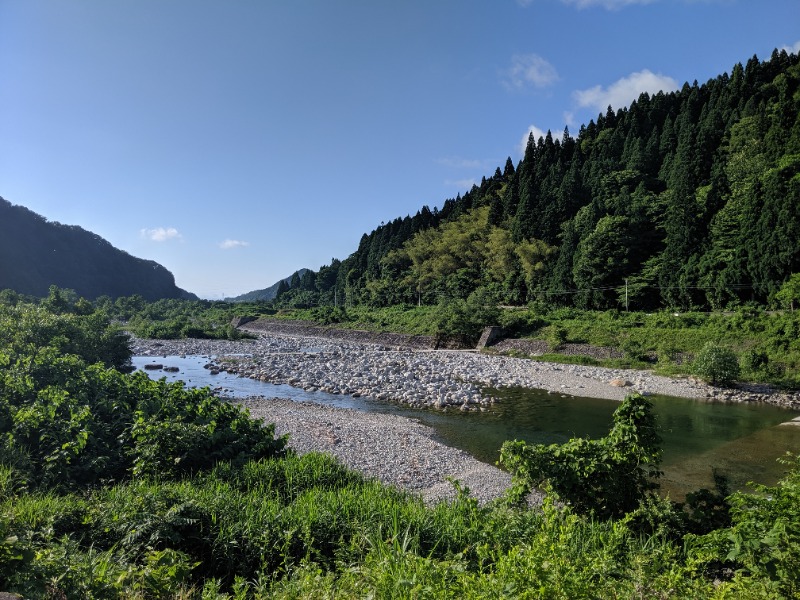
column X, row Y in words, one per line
column 741, row 441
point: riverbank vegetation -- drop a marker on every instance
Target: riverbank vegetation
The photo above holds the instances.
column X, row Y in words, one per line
column 116, row 486
column 747, row 344
column 757, row 345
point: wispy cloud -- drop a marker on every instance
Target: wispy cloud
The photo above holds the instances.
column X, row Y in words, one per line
column 607, row 4
column 161, row 234
column 529, row 70
column 229, row 244
column 461, row 184
column 793, row 49
column 457, row 162
column 624, row 91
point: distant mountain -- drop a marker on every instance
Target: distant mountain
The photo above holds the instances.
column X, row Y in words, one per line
column 36, row 253
column 267, row 293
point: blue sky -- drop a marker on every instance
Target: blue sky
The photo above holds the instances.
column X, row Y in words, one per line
column 237, row 141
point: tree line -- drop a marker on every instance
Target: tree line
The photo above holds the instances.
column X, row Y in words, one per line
column 685, row 200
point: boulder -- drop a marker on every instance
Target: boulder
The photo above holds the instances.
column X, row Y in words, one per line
column 620, row 382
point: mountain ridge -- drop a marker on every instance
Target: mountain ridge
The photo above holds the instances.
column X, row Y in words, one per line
column 686, row 200
column 36, row 253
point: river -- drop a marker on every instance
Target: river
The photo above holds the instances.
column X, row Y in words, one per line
column 741, row 441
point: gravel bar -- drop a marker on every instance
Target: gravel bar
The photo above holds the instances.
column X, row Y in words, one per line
column 396, row 450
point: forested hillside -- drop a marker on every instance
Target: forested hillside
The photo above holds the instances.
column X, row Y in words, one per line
column 36, row 253
column 683, row 200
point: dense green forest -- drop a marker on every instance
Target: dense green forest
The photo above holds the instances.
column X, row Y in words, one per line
column 685, row 200
column 36, row 253
column 113, row 485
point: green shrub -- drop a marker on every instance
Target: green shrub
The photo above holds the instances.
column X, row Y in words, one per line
column 754, row 362
column 667, row 353
column 716, row 364
column 186, row 431
column 556, row 337
column 520, row 322
column 633, row 349
column 607, row 477
column 763, row 542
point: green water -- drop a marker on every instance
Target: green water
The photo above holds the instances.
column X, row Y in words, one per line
column 742, row 442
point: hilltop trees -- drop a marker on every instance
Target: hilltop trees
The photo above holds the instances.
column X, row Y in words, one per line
column 687, row 200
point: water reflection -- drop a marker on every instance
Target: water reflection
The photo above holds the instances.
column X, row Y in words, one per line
column 741, row 441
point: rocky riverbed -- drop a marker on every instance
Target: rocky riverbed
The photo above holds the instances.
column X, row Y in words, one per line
column 393, row 449
column 396, row 450
column 420, row 377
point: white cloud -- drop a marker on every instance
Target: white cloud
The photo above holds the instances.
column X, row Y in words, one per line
column 537, row 133
column 461, row 184
column 624, row 91
column 607, row 4
column 228, row 244
column 529, row 70
column 793, row 49
column 161, row 234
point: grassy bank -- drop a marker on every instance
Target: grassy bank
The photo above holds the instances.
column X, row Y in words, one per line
column 116, row 486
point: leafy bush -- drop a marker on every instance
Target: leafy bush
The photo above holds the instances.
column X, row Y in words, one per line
column 716, row 364
column 68, row 424
column 328, row 315
column 607, row 477
column 556, row 337
column 177, row 432
column 763, row 542
column 520, row 322
column 667, row 353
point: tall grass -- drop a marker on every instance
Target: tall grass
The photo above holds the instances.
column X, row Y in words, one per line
column 305, row 527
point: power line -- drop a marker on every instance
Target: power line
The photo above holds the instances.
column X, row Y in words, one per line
column 621, row 288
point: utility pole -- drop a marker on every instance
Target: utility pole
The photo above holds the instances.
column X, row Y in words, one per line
column 626, row 294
